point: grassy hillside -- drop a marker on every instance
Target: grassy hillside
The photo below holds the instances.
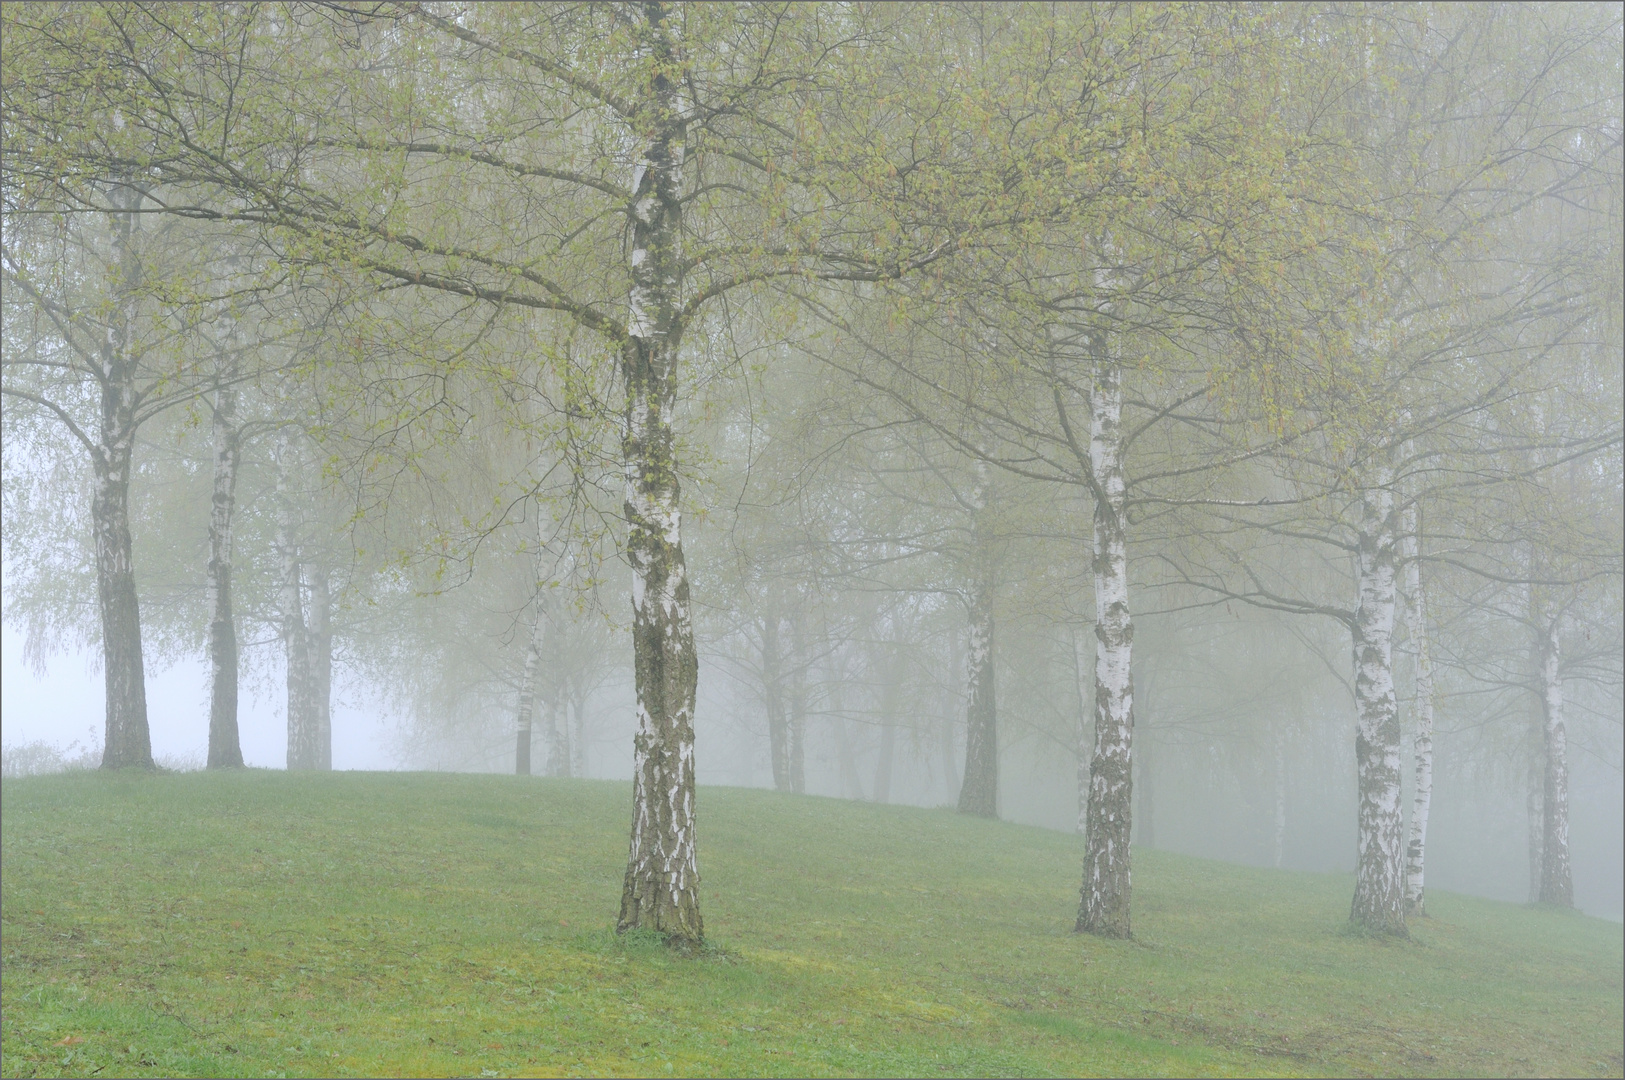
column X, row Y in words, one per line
column 266, row 924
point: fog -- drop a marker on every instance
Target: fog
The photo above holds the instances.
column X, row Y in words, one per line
column 1191, row 431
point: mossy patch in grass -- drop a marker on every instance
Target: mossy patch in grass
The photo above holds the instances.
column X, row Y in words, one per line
column 256, row 923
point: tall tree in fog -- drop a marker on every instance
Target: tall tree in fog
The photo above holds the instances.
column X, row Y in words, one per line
column 677, row 127
column 1094, row 324
column 103, row 335
column 1450, row 300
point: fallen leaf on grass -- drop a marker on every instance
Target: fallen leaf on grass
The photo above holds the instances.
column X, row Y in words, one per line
column 71, row 1040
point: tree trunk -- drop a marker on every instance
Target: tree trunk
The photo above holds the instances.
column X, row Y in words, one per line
column 1556, row 879
column 979, row 791
column 778, row 733
column 798, row 707
column 557, row 709
column 1379, row 882
column 127, row 741
column 320, row 651
column 661, row 888
column 303, row 752
column 1422, row 744
column 524, row 719
column 1107, row 883
column 225, row 744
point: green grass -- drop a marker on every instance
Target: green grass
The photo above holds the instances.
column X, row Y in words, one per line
column 264, row 923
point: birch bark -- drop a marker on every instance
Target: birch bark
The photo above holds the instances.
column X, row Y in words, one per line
column 1422, row 743
column 225, row 744
column 1107, row 883
column 1556, row 878
column 127, row 741
column 661, row 888
column 1379, row 884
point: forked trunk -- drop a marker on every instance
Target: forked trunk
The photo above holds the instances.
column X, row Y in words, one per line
column 1107, row 883
column 225, row 744
column 1422, row 744
column 661, row 889
column 128, row 741
column 1556, row 879
column 1379, row 882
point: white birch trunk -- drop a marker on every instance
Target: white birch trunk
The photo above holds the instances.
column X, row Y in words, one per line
column 128, row 741
column 1422, row 743
column 1107, row 882
column 1379, row 886
column 661, row 888
column 1556, row 877
column 225, row 744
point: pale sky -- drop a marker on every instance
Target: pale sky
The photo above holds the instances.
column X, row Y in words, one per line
column 66, row 706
